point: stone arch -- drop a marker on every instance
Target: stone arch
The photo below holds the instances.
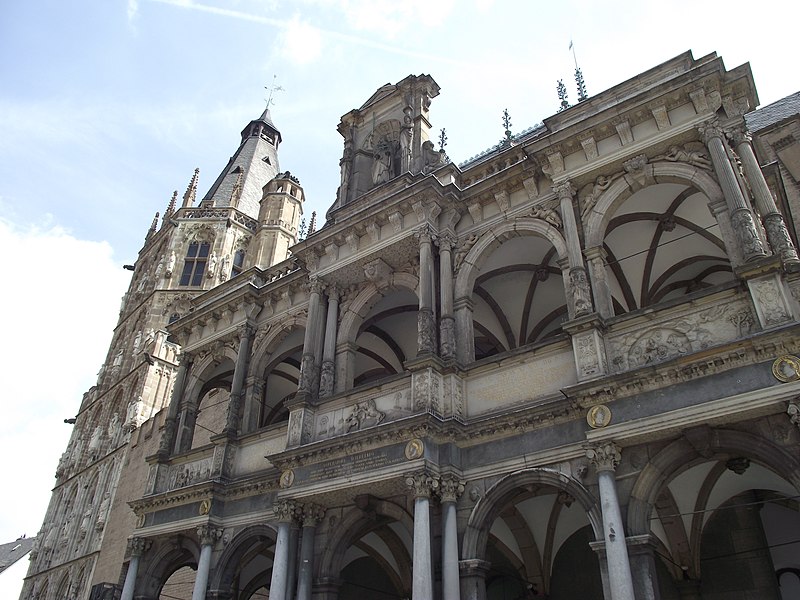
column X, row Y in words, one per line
column 161, row 561
column 203, row 371
column 683, row 453
column 658, row 172
column 353, row 525
column 262, row 353
column 489, row 506
column 229, row 561
column 369, row 295
column 470, row 267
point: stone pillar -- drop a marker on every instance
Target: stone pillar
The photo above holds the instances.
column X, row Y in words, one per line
column 465, row 331
column 291, row 567
column 473, row 578
column 138, row 546
column 741, row 217
column 777, row 234
column 596, row 257
column 246, row 332
column 253, row 400
column 327, row 374
column 345, row 366
column 312, row 516
column 208, row 537
column 167, row 444
column 186, row 428
column 422, row 572
column 447, row 326
column 305, row 385
column 449, row 491
column 426, row 332
column 605, row 457
column 578, row 291
column 642, row 553
column 284, row 512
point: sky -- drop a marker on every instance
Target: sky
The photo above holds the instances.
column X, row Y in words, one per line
column 107, row 106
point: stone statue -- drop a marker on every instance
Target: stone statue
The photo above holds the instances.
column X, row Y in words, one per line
column 96, row 440
column 117, row 359
column 225, row 268
column 159, row 270
column 212, row 264
column 382, row 166
column 687, row 155
column 113, row 425
column 137, row 342
column 133, row 418
column 171, row 264
column 592, row 193
column 430, row 157
column 149, row 337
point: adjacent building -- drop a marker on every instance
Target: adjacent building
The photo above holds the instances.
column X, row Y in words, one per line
column 567, row 368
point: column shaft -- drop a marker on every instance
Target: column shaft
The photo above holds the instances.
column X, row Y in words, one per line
column 425, row 322
column 619, row 570
column 328, row 371
column 307, row 361
column 167, row 444
column 447, row 342
column 130, row 578
column 450, row 581
column 422, row 582
column 306, row 563
column 237, row 385
column 280, row 564
column 201, row 577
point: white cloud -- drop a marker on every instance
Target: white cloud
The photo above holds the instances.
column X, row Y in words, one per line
column 133, row 10
column 59, row 305
column 388, row 18
column 300, row 43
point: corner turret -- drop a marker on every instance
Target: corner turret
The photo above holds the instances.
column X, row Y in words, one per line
column 278, row 220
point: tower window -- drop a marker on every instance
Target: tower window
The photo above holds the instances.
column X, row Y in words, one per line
column 238, row 263
column 194, row 264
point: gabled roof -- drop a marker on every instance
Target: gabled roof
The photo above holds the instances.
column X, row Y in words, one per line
column 773, row 113
column 13, row 551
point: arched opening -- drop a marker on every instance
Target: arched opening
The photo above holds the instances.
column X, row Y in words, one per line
column 246, row 569
column 281, row 376
column 518, row 296
column 212, row 408
column 179, row 585
column 387, row 337
column 661, row 243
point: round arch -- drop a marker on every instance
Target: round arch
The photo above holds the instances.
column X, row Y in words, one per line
column 465, row 280
column 230, row 561
column 658, row 172
column 681, row 454
column 355, row 524
column 261, row 355
column 169, row 556
column 496, row 497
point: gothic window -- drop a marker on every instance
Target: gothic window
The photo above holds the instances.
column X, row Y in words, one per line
column 238, row 263
column 195, row 263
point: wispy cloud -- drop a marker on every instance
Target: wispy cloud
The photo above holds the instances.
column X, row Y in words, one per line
column 284, row 24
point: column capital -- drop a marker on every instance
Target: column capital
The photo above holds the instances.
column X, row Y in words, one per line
column 208, row 534
column 285, row 511
column 604, row 456
column 710, row 130
column 446, row 241
column 138, row 545
column 332, row 290
column 422, row 484
column 312, row 514
column 450, row 488
column 739, row 135
column 315, row 284
column 424, row 234
column 565, row 190
column 595, row 252
column 793, row 411
column 474, row 566
column 246, row 330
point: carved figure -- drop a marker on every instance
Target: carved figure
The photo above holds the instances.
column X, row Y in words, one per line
column 363, row 411
column 171, row 263
column 225, row 268
column 686, row 155
column 137, row 342
column 117, row 359
column 594, row 190
column 159, row 269
column 382, row 166
column 212, row 264
column 430, row 157
column 95, row 440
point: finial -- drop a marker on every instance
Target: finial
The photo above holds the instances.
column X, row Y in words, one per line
column 442, row 139
column 581, row 84
column 236, row 193
column 312, row 226
column 170, row 207
column 272, row 89
column 301, row 232
column 507, row 123
column 191, row 190
column 153, row 226
column 562, row 95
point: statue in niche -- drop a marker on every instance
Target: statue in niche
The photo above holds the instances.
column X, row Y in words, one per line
column 137, row 342
column 382, row 167
column 171, row 263
column 212, row 264
column 117, row 359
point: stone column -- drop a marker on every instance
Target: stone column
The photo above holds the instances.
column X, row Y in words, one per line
column 578, row 291
column 138, row 547
column 186, row 428
column 208, row 537
column 447, row 327
column 284, row 512
column 312, row 516
column 167, row 444
column 605, row 457
column 741, row 217
column 449, row 491
column 291, row 566
column 327, row 374
column 777, row 234
column 422, row 573
column 426, row 333
column 246, row 332
column 642, row 554
column 345, row 366
column 305, row 385
column 253, row 399
column 473, row 578
column 465, row 331
column 596, row 257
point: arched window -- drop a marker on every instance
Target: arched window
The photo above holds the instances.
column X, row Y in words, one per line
column 194, row 264
column 238, row 263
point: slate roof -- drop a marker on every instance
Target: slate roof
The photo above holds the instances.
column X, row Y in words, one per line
column 773, row 113
column 13, row 551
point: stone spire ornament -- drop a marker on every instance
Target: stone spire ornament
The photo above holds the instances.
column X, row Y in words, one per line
column 581, row 84
column 190, row 194
column 562, row 95
column 170, row 207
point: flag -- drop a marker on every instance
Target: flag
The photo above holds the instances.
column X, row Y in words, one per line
column 570, row 45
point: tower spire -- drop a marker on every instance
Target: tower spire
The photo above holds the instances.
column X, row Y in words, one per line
column 191, row 191
column 312, row 226
column 170, row 207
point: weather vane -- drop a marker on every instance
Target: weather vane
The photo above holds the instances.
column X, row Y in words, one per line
column 581, row 84
column 272, row 89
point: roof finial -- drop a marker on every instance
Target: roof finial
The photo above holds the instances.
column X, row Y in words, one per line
column 442, row 139
column 191, row 190
column 153, row 226
column 507, row 126
column 272, row 89
column 582, row 95
column 312, row 226
column 562, row 95
column 170, row 207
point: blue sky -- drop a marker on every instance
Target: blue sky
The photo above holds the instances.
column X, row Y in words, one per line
column 107, row 106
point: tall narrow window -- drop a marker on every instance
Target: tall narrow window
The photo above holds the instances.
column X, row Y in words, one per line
column 238, row 263
column 195, row 263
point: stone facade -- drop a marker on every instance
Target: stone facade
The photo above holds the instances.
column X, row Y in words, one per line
column 566, row 368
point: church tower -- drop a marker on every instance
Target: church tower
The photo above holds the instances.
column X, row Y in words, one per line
column 192, row 248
